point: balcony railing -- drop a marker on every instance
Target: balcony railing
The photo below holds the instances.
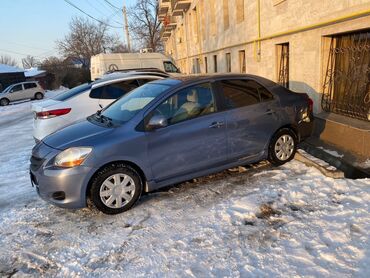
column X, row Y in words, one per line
column 179, row 6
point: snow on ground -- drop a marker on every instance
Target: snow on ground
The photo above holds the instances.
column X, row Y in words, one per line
column 286, row 221
column 331, row 152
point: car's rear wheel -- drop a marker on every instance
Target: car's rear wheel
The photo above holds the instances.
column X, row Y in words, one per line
column 39, row 96
column 4, row 102
column 283, row 147
column 116, row 188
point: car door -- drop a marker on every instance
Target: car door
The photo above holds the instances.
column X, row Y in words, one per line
column 29, row 90
column 195, row 137
column 16, row 93
column 113, row 91
column 250, row 120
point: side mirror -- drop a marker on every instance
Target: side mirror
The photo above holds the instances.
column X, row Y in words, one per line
column 157, row 121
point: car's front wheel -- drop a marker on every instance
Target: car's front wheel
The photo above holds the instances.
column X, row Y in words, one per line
column 116, row 188
column 283, row 147
column 4, row 102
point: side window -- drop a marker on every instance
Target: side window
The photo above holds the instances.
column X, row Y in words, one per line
column 188, row 103
column 97, row 92
column 239, row 93
column 29, row 85
column 265, row 94
column 16, row 88
column 169, row 67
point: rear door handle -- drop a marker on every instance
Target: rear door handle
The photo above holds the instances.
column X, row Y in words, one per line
column 216, row 125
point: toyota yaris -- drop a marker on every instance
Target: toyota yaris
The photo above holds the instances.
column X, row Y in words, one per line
column 165, row 132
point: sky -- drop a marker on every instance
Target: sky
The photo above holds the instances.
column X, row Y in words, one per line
column 31, row 27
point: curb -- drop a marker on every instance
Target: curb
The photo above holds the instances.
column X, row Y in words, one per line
column 349, row 170
column 323, row 167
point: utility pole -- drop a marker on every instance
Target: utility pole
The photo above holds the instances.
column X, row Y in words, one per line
column 126, row 27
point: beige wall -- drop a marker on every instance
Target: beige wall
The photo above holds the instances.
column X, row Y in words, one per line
column 196, row 37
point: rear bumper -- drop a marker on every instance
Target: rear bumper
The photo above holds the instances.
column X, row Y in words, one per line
column 305, row 128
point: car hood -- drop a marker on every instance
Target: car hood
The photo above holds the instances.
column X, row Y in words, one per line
column 83, row 133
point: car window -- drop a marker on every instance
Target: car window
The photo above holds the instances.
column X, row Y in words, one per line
column 29, row 85
column 127, row 106
column 169, row 67
column 145, row 80
column 265, row 95
column 115, row 90
column 73, row 92
column 16, row 88
column 240, row 93
column 187, row 104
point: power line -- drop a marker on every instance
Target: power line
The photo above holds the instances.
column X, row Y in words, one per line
column 109, row 17
column 19, row 53
column 24, row 45
column 113, row 6
column 98, row 20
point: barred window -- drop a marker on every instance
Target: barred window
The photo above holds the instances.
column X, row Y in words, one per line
column 346, row 88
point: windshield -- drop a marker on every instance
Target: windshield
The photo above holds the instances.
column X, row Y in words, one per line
column 73, row 92
column 126, row 107
column 7, row 89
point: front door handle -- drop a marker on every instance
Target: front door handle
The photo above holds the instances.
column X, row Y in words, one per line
column 216, row 125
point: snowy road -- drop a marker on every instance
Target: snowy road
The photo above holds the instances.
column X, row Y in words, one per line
column 264, row 222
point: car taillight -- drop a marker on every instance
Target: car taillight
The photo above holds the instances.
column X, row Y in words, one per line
column 310, row 104
column 52, row 113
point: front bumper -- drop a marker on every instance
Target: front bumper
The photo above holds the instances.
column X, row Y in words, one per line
column 61, row 187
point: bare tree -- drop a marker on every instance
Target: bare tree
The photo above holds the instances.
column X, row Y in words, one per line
column 86, row 39
column 30, row 62
column 7, row 60
column 144, row 24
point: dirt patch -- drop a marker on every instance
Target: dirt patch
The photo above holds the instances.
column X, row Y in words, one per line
column 266, row 211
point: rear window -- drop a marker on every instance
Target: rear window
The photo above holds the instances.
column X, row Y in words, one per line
column 115, row 90
column 73, row 92
column 29, row 85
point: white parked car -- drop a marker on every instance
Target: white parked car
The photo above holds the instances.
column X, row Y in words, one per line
column 82, row 101
column 20, row 91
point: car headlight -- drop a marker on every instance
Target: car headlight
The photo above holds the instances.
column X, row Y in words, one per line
column 72, row 157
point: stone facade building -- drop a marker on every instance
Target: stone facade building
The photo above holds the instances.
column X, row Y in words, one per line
column 321, row 47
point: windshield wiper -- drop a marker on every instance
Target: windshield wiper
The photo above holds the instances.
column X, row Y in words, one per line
column 106, row 119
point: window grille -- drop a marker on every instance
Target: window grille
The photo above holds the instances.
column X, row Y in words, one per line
column 283, row 64
column 346, row 88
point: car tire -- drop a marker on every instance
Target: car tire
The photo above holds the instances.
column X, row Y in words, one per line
column 39, row 96
column 4, row 102
column 283, row 147
column 116, row 188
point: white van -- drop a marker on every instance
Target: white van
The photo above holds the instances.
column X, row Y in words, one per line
column 103, row 63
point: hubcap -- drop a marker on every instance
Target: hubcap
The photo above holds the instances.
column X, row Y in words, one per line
column 284, row 147
column 117, row 190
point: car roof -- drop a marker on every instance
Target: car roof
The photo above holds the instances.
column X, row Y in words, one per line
column 189, row 79
column 115, row 77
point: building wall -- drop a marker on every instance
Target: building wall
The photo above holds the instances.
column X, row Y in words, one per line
column 201, row 33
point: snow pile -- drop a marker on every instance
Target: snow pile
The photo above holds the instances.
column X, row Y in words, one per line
column 32, row 72
column 278, row 222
